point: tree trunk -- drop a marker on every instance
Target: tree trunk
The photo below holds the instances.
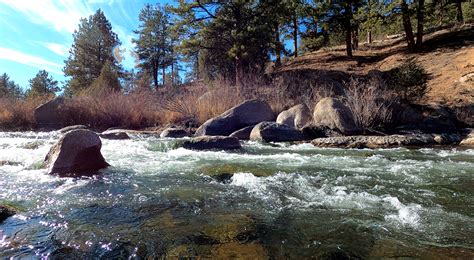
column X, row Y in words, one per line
column 369, row 36
column 355, row 38
column 155, row 77
column 407, row 26
column 420, row 20
column 295, row 34
column 238, row 71
column 277, row 47
column 459, row 16
column 348, row 28
column 164, row 75
column 172, row 73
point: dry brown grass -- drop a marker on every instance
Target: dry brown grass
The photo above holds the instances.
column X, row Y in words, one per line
column 18, row 114
column 370, row 103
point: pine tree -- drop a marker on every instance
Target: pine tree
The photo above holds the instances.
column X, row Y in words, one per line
column 8, row 88
column 42, row 85
column 106, row 83
column 153, row 45
column 93, row 46
column 230, row 38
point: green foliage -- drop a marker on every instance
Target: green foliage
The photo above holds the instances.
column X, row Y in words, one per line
column 154, row 43
column 8, row 88
column 93, row 46
column 409, row 80
column 106, row 83
column 229, row 38
column 42, row 85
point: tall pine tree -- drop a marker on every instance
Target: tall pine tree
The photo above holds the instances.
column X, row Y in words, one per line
column 93, row 46
column 42, row 85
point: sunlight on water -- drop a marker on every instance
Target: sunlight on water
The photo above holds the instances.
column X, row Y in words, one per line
column 266, row 200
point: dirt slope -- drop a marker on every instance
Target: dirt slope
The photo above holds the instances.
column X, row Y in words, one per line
column 448, row 58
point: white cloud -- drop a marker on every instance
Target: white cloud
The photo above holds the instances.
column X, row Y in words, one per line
column 63, row 15
column 33, row 61
column 57, row 48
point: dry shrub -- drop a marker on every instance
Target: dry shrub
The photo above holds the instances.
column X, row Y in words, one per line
column 16, row 114
column 134, row 110
column 371, row 103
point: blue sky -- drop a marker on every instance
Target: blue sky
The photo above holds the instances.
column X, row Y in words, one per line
column 37, row 34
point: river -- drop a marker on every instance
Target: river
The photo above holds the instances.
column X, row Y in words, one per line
column 266, row 200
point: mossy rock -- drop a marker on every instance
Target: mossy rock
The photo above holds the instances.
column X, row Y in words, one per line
column 216, row 170
column 6, row 212
column 228, row 228
column 31, row 145
column 236, row 250
column 9, row 163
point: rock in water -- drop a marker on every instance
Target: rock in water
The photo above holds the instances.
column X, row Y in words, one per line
column 212, row 143
column 6, row 212
column 245, row 114
column 174, row 133
column 76, row 153
column 115, row 136
column 48, row 115
column 244, row 133
column 362, row 141
column 275, row 132
column 469, row 139
column 334, row 114
column 297, row 116
column 70, row 128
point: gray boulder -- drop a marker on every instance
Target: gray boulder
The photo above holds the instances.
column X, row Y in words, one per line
column 360, row 141
column 244, row 133
column 297, row 116
column 76, row 153
column 174, row 133
column 275, row 132
column 245, row 114
column 212, row 143
column 70, row 128
column 334, row 114
column 48, row 115
column 115, row 136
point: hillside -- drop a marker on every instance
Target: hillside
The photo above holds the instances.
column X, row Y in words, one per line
column 448, row 58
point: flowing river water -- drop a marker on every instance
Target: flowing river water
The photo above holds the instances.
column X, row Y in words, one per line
column 264, row 201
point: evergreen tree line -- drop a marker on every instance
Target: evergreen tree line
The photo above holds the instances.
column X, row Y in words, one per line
column 229, row 39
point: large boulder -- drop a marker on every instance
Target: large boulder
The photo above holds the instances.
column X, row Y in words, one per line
column 48, row 115
column 275, row 132
column 245, row 114
column 212, row 143
column 76, row 153
column 6, row 212
column 468, row 140
column 174, row 133
column 375, row 141
column 297, row 116
column 244, row 133
column 334, row 114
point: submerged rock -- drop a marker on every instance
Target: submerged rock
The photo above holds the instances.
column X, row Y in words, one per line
column 334, row 114
column 6, row 212
column 245, row 114
column 244, row 133
column 275, row 132
column 76, row 153
column 48, row 115
column 297, row 116
column 70, row 128
column 212, row 142
column 174, row 133
column 375, row 141
column 115, row 136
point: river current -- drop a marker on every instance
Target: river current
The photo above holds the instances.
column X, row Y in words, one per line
column 264, row 201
